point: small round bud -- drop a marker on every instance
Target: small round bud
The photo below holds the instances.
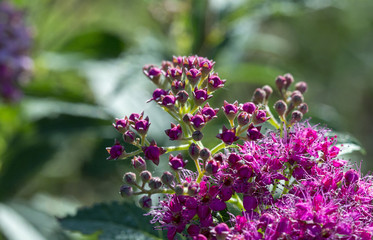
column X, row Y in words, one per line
column 205, row 154
column 212, row 167
column 289, row 80
column 194, row 150
column 259, row 96
column 301, row 87
column 145, row 202
column 268, row 90
column 187, row 118
column 280, row 107
column 145, row 176
column 197, row 135
column 248, row 107
column 193, row 189
column 155, row 183
column 182, row 96
column 167, row 178
column 129, row 178
column 303, row 108
column 179, row 190
column 139, row 163
column 351, row 176
column 296, row 98
column 296, row 116
column 243, row 118
column 126, row 191
column 129, row 136
column 280, row 82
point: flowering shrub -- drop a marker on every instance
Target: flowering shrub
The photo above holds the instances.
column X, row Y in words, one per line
column 286, row 183
column 15, row 42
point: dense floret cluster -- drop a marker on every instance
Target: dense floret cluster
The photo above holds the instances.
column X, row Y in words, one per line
column 286, row 183
column 15, row 43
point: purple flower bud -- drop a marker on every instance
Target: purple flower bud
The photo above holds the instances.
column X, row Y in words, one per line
column 296, row 98
column 176, row 162
column 167, row 178
column 129, row 178
column 303, row 108
column 214, row 83
column 177, row 61
column 177, row 86
column 187, row 118
column 179, row 190
column 193, row 230
column 234, row 158
column 145, row 202
column 166, row 65
column 206, row 66
column 168, row 101
column 208, row 113
column 193, row 189
column 301, row 87
column 221, row 230
column 145, row 176
column 142, row 126
column 296, row 116
column 280, row 107
column 351, row 176
column 289, row 80
column 126, row 191
column 198, row 122
column 138, row 163
column 121, row 124
column 248, row 107
column 243, row 118
column 174, row 73
column 260, row 116
column 134, row 117
column 197, row 135
column 245, row 171
column 230, row 110
column 228, row 136
column 205, row 154
column 200, row 96
column 217, row 204
column 200, row 237
column 268, row 90
column 157, row 94
column 152, row 152
column 253, row 133
column 182, row 96
column 190, row 62
column 129, row 136
column 212, row 167
column 194, row 150
column 175, row 132
column 115, row 151
column 194, row 75
column 280, row 82
column 153, row 73
column 259, row 96
column 155, row 183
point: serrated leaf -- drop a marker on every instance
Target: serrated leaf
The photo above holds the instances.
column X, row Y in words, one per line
column 115, row 221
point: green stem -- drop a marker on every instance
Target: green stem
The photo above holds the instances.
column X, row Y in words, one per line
column 238, row 202
column 177, row 148
column 217, row 148
column 272, row 119
column 127, row 155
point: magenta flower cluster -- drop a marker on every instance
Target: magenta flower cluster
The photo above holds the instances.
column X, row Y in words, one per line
column 286, row 183
column 15, row 43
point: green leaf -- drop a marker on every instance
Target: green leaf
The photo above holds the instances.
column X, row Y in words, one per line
column 348, row 148
column 347, row 143
column 114, row 221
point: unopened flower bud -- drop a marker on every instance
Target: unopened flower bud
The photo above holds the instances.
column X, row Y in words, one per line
column 280, row 107
column 153, row 73
column 194, row 75
column 259, row 96
column 303, row 108
column 129, row 136
column 289, row 80
column 129, row 178
column 243, row 118
column 155, row 183
column 280, row 82
column 193, row 189
column 182, row 96
column 260, row 116
column 194, row 150
column 145, row 202
column 197, row 135
column 296, row 98
column 296, row 116
column 205, row 154
column 351, row 176
column 179, row 190
column 139, row 163
column 166, row 65
column 187, row 118
column 301, row 87
column 248, row 107
column 268, row 90
column 167, row 178
column 145, row 176
column 126, row 191
column 212, row 167
column 221, row 230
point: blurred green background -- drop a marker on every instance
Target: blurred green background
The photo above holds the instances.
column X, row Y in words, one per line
column 88, row 57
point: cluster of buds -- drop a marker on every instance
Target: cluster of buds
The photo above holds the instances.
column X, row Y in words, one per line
column 286, row 183
column 15, row 42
